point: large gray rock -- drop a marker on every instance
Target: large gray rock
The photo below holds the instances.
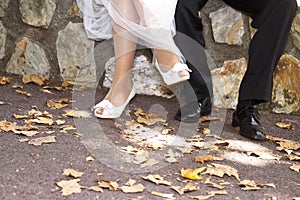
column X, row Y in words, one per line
column 75, row 53
column 146, row 77
column 227, row 25
column 295, row 31
column 3, row 6
column 286, row 90
column 3, row 34
column 28, row 58
column 37, row 13
column 226, row 82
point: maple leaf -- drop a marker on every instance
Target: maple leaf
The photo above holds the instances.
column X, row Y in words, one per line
column 156, row 179
column 206, row 158
column 42, row 140
column 193, row 174
column 70, row 187
column 220, row 170
column 72, row 172
column 187, row 188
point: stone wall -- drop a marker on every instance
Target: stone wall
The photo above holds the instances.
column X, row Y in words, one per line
column 47, row 38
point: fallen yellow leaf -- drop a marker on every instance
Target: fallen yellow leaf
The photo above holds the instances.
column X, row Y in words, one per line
column 193, row 174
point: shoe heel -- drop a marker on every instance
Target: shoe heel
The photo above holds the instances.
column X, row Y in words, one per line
column 235, row 123
column 172, row 77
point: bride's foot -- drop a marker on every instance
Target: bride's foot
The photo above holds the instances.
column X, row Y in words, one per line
column 110, row 109
column 179, row 73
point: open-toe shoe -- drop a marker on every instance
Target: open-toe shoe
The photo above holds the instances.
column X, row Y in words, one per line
column 173, row 75
column 110, row 111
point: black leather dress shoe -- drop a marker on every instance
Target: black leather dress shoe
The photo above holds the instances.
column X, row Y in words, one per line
column 248, row 121
column 191, row 112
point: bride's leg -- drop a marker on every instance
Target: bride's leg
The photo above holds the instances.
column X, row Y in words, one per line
column 124, row 47
column 166, row 59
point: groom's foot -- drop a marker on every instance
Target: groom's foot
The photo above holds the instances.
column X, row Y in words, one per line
column 248, row 121
column 191, row 112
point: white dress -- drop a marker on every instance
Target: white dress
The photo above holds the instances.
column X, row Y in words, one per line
column 155, row 28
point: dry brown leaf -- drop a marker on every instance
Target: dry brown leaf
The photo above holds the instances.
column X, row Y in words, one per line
column 89, row 158
column 60, row 122
column 130, row 182
column 251, row 185
column 164, row 195
column 57, row 104
column 133, row 189
column 167, row 131
column 147, row 119
column 156, row 178
column 187, row 188
column 42, row 140
column 193, row 174
column 108, row 185
column 201, row 197
column 68, row 128
column 24, row 92
column 206, row 158
column 295, row 167
column 73, row 173
column 28, row 78
column 293, row 157
column 20, row 116
column 285, row 125
column 74, row 9
column 17, row 86
column 76, row 114
column 27, row 133
column 70, row 187
column 288, row 144
column 96, row 189
column 220, row 170
column 4, row 80
column 42, row 120
column 149, row 163
column 218, row 192
column 212, row 184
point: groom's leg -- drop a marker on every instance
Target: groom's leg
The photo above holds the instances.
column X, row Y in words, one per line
column 190, row 41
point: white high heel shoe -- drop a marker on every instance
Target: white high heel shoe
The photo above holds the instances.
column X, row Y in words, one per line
column 172, row 76
column 109, row 111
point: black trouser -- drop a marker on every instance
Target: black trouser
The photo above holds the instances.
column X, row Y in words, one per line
column 272, row 18
column 190, row 41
